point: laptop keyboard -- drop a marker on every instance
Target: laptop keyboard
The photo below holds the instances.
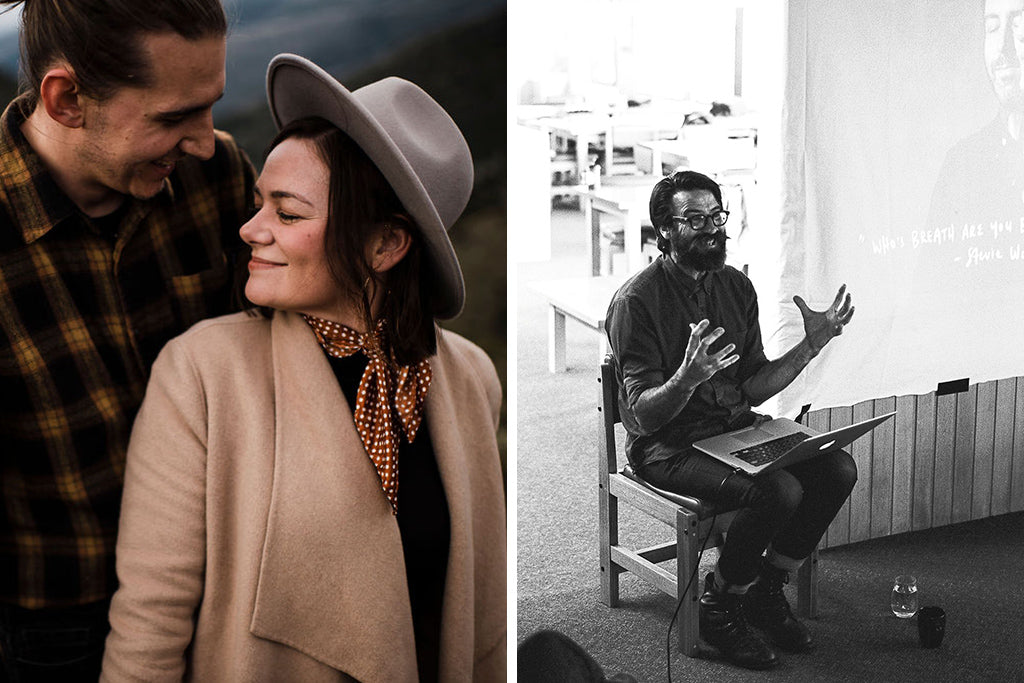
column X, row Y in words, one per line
column 768, row 451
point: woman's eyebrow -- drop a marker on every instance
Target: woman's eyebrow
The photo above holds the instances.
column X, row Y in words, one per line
column 282, row 194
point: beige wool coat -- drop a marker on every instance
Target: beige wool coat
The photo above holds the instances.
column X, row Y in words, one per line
column 255, row 542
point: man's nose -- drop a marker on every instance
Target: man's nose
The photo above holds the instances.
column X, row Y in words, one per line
column 200, row 141
column 1009, row 48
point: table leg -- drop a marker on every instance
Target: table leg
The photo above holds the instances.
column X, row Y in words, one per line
column 556, row 340
column 582, row 158
column 609, row 151
column 656, row 162
column 592, row 219
column 633, row 245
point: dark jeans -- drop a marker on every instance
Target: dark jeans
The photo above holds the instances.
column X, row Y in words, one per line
column 62, row 644
column 789, row 509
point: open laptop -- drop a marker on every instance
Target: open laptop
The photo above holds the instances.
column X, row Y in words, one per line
column 781, row 442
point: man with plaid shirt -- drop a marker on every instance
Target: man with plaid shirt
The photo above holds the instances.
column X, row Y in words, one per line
column 119, row 214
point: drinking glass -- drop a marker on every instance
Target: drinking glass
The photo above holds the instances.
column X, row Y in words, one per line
column 904, row 596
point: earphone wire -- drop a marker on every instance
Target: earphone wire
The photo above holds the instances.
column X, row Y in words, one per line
column 696, row 567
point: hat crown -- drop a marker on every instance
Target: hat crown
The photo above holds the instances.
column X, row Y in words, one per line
column 428, row 139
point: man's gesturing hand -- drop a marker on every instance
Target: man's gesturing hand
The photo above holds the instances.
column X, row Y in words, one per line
column 822, row 326
column 697, row 365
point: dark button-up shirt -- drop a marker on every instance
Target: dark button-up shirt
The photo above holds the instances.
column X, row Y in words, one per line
column 648, row 325
column 85, row 306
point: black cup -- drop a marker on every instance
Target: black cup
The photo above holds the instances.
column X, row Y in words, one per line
column 931, row 626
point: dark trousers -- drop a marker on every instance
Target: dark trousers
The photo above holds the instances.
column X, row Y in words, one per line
column 62, row 644
column 789, row 509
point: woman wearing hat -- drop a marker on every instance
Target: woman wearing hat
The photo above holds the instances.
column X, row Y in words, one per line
column 314, row 493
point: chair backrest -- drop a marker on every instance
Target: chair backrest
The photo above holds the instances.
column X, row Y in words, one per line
column 609, row 409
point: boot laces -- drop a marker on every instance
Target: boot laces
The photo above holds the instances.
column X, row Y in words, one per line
column 773, row 597
column 739, row 627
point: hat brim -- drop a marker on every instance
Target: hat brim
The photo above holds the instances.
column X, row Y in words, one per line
column 297, row 88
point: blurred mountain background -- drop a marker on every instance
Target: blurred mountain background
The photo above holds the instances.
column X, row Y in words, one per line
column 453, row 49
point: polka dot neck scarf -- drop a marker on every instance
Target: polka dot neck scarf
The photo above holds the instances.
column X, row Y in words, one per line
column 389, row 400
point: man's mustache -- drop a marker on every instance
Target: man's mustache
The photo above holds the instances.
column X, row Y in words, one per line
column 719, row 242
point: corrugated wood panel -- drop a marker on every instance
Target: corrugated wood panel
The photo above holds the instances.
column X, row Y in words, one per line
column 1006, row 404
column 860, row 498
column 1017, row 468
column 942, row 475
column 963, row 458
column 941, row 460
column 882, row 439
column 904, row 435
column 984, row 450
column 924, row 462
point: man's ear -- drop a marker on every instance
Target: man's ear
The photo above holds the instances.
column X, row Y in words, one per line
column 61, row 97
column 389, row 247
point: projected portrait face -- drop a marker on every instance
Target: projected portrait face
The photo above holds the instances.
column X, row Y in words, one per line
column 700, row 249
column 1004, row 50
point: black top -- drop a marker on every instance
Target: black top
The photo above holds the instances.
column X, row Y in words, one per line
column 422, row 521
column 648, row 325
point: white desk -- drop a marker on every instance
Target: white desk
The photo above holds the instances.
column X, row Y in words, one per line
column 585, row 128
column 582, row 299
column 628, row 199
column 605, row 130
column 706, row 152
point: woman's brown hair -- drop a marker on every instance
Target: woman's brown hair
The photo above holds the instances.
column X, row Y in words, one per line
column 360, row 201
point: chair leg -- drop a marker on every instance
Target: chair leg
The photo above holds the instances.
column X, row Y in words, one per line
column 807, row 587
column 609, row 509
column 687, row 532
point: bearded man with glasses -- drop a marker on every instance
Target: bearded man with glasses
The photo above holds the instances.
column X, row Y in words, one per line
column 690, row 364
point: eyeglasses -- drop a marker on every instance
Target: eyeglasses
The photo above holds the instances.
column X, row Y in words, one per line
column 699, row 221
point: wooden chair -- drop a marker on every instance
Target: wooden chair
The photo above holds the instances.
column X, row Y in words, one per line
column 693, row 521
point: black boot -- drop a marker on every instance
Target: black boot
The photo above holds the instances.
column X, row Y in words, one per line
column 768, row 610
column 724, row 626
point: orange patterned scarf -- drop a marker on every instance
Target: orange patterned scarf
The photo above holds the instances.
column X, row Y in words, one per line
column 389, row 401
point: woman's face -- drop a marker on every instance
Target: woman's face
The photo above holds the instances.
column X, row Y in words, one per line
column 288, row 269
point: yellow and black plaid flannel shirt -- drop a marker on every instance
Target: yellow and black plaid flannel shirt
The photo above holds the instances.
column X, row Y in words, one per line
column 83, row 313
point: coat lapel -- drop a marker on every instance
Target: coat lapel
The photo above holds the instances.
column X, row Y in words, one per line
column 332, row 576
column 462, row 434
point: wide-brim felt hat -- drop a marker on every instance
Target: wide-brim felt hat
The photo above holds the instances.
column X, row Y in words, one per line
column 409, row 137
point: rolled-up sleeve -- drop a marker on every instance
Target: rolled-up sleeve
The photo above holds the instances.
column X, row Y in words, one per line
column 634, row 342
column 752, row 357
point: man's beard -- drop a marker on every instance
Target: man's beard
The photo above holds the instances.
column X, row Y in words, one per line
column 700, row 256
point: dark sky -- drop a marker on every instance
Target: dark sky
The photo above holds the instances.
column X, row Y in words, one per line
column 341, row 37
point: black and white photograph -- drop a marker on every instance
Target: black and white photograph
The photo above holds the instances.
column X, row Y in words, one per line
column 767, row 258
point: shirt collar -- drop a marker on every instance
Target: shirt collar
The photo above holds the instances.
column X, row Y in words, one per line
column 688, row 284
column 28, row 193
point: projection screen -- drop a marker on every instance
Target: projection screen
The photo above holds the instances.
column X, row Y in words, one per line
column 903, row 177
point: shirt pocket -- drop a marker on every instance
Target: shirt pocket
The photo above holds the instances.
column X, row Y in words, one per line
column 201, row 295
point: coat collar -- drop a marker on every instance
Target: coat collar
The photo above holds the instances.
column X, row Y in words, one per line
column 346, row 602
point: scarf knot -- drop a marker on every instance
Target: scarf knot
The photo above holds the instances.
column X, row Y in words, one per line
column 389, row 400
